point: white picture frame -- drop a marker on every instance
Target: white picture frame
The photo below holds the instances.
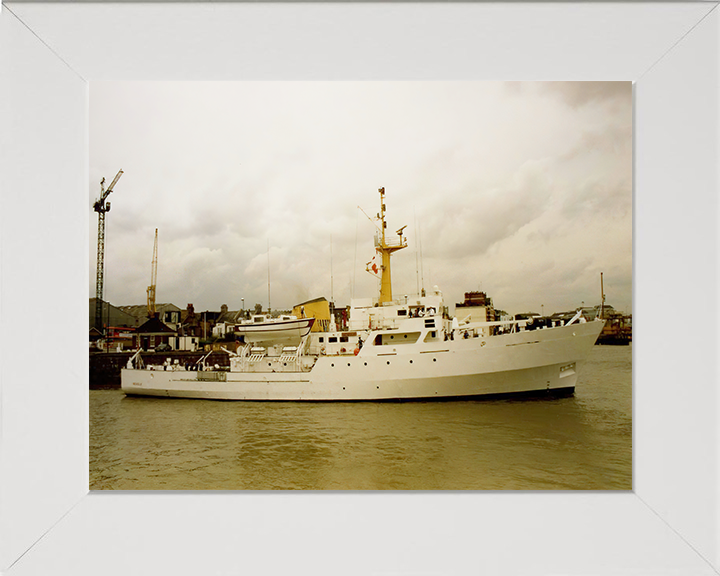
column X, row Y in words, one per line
column 49, row 523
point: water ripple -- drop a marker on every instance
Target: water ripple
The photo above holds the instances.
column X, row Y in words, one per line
column 581, row 442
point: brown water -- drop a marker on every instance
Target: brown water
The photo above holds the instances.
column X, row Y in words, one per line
column 579, row 442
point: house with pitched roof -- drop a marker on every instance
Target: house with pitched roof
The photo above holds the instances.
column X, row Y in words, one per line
column 167, row 313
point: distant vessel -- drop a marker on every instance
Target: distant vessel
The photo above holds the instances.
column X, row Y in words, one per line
column 616, row 331
column 392, row 350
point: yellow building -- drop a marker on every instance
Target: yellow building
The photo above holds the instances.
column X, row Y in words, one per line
column 319, row 308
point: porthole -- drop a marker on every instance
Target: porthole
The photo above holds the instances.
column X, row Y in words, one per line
column 388, row 362
column 434, row 359
column 332, row 365
column 348, row 363
column 410, row 361
column 365, row 363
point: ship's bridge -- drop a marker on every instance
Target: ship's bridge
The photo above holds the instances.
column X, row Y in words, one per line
column 369, row 313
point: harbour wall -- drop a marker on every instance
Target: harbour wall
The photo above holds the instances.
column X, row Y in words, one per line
column 105, row 366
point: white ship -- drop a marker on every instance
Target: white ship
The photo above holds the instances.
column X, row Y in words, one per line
column 392, row 350
column 263, row 328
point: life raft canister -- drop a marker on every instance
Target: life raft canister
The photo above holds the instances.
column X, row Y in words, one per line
column 357, row 351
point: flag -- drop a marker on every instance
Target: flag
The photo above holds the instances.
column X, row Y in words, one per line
column 373, row 267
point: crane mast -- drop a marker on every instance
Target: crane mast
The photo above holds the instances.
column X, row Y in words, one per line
column 102, row 207
column 153, row 280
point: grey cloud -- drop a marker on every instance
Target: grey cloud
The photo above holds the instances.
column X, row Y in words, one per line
column 484, row 218
column 614, row 140
column 596, row 197
column 577, row 94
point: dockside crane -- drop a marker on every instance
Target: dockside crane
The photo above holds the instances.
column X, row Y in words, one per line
column 102, row 207
column 153, row 281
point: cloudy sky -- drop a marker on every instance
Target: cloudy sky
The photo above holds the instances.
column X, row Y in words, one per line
column 522, row 190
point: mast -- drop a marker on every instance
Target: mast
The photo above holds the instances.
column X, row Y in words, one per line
column 417, row 266
column 385, row 249
column 332, row 296
column 268, row 254
column 602, row 297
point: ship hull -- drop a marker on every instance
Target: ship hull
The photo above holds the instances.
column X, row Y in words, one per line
column 540, row 361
